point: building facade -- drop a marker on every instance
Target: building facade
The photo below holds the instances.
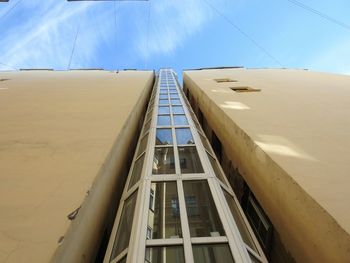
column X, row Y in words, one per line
column 282, row 138
column 241, row 165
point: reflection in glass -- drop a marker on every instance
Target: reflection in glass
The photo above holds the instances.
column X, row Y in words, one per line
column 202, row 215
column 242, row 227
column 146, row 127
column 164, row 211
column 175, row 101
column 180, row 120
column 163, row 120
column 143, row 144
column 161, row 96
column 174, row 96
column 184, row 136
column 205, row 142
column 163, row 110
column 163, row 102
column 214, row 253
column 216, row 169
column 189, row 160
column 178, row 110
column 170, row 254
column 124, row 229
column 163, row 161
column 164, row 137
column 136, row 172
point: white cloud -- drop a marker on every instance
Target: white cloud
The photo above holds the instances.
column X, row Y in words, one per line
column 46, row 40
column 172, row 22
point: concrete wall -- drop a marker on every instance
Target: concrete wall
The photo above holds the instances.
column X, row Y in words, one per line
column 63, row 134
column 276, row 139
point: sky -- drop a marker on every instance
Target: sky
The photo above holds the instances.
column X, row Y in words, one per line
column 180, row 34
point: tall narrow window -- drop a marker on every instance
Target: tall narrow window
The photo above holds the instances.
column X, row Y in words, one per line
column 124, row 229
column 164, row 137
column 203, row 217
column 136, row 172
column 164, row 211
column 189, row 160
column 184, row 136
column 241, row 224
column 163, row 161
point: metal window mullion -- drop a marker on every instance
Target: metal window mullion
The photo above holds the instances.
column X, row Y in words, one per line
column 176, row 152
column 235, row 241
column 164, row 242
column 184, row 224
column 144, row 222
column 134, row 242
column 114, row 232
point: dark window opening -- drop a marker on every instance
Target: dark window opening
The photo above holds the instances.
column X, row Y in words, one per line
column 244, row 89
column 217, row 147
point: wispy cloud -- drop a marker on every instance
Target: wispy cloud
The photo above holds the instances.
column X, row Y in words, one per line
column 171, row 23
column 46, row 38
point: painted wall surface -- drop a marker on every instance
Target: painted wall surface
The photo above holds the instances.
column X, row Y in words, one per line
column 57, row 129
column 291, row 142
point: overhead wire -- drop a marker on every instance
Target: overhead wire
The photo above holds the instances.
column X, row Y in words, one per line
column 8, row 66
column 11, row 9
column 73, row 48
column 246, row 35
column 319, row 13
column 115, row 34
column 148, row 30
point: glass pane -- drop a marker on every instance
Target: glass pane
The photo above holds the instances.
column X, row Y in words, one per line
column 243, row 230
column 124, row 229
column 216, row 253
column 202, row 214
column 180, row 120
column 178, row 110
column 163, row 120
column 163, row 161
column 174, row 96
column 175, row 101
column 216, row 169
column 184, row 136
column 164, row 211
column 189, row 160
column 123, row 260
column 161, row 96
column 136, row 172
column 163, row 110
column 171, row 254
column 164, row 137
column 147, row 126
column 143, row 144
column 205, row 142
column 163, row 102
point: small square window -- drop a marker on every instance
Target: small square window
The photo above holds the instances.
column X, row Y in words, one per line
column 224, row 80
column 244, row 89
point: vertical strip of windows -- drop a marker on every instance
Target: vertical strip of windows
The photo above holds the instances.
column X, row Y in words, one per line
column 188, row 211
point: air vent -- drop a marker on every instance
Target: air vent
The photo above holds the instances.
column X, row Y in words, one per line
column 245, row 89
column 225, row 80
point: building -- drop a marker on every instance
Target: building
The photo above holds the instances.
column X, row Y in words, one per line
column 66, row 138
column 282, row 138
column 119, row 166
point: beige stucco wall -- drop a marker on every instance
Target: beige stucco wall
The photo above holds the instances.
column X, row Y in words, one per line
column 291, row 141
column 58, row 130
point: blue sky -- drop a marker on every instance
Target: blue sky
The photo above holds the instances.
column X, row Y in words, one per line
column 180, row 34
